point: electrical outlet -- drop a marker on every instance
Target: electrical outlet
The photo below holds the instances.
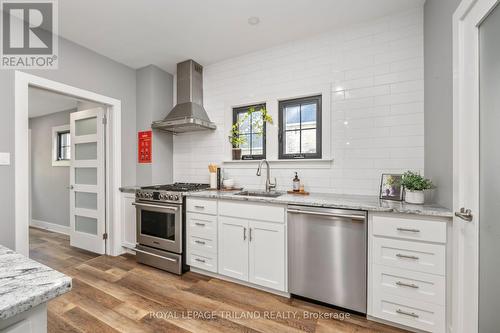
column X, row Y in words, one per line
column 4, row 158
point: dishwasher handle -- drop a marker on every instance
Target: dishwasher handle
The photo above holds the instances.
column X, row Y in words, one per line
column 349, row 216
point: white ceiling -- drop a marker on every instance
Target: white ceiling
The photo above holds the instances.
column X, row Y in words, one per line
column 43, row 102
column 164, row 32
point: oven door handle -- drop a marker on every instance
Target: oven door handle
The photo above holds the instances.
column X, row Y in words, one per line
column 154, row 255
column 155, row 206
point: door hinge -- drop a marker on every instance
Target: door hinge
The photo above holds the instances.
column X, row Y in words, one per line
column 105, row 236
column 104, row 120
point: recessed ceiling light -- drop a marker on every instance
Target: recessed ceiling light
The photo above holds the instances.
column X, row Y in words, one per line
column 253, row 20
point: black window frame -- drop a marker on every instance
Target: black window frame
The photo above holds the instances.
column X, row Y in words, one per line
column 244, row 109
column 282, row 128
column 60, row 146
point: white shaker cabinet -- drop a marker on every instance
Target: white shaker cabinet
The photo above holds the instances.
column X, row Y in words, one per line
column 233, row 248
column 267, row 254
column 244, row 241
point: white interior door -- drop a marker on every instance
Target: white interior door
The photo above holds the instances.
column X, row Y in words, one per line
column 476, row 226
column 87, row 179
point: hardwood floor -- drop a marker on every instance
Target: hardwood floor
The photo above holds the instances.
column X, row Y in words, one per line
column 115, row 294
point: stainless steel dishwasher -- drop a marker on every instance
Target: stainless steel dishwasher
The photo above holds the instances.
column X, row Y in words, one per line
column 327, row 255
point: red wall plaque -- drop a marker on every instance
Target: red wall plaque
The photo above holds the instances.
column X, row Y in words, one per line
column 145, row 145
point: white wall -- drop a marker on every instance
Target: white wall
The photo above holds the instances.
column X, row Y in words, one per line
column 371, row 79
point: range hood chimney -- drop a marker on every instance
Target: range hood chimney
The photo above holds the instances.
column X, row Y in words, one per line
column 188, row 115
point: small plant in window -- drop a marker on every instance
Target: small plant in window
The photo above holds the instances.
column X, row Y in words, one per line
column 238, row 140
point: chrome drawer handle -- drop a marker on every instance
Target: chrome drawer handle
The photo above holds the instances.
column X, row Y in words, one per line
column 411, row 314
column 408, row 230
column 409, row 285
column 199, row 224
column 200, row 260
column 199, row 207
column 199, row 242
column 406, row 256
column 244, row 233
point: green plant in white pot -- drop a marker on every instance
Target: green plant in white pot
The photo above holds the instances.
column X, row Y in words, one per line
column 415, row 186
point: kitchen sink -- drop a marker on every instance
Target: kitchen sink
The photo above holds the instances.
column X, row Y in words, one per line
column 259, row 194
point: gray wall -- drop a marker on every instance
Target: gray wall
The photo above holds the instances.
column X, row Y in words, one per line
column 78, row 67
column 438, row 72
column 45, row 178
column 154, row 101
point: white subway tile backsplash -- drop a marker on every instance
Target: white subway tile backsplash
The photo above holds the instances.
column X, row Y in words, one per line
column 371, row 79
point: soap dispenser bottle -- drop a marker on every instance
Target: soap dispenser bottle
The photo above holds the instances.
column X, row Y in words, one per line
column 296, row 183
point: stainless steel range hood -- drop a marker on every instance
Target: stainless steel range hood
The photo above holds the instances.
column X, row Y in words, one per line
column 188, row 115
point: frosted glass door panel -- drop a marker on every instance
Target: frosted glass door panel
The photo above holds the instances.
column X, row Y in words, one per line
column 86, row 151
column 489, row 173
column 86, row 176
column 86, row 200
column 86, row 126
column 87, row 225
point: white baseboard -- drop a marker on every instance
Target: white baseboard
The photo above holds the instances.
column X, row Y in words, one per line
column 62, row 229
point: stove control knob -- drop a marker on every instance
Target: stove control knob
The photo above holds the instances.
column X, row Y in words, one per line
column 171, row 197
column 149, row 195
column 176, row 197
column 163, row 196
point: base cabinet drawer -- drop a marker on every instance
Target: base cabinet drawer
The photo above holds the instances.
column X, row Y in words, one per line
column 204, row 206
column 410, row 228
column 414, row 285
column 202, row 245
column 420, row 315
column 408, row 255
column 205, row 262
column 201, row 225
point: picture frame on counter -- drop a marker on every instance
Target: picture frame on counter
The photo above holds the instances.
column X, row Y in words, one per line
column 390, row 187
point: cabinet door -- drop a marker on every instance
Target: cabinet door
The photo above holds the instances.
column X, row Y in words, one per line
column 233, row 248
column 267, row 254
column 129, row 228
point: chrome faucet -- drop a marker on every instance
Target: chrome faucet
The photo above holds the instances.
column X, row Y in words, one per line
column 269, row 185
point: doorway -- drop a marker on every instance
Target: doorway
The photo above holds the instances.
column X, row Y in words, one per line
column 67, row 174
column 95, row 177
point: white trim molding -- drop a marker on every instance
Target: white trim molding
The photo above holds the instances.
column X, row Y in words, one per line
column 55, row 145
column 465, row 294
column 21, row 152
column 54, row 227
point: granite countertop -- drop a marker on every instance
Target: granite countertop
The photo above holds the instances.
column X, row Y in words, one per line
column 327, row 200
column 129, row 189
column 25, row 283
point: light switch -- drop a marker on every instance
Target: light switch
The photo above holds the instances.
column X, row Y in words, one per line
column 4, row 158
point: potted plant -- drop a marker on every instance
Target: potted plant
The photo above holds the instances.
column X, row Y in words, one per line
column 415, row 186
column 238, row 140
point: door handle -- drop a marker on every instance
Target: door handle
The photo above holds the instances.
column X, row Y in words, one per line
column 250, row 234
column 70, row 187
column 244, row 233
column 464, row 214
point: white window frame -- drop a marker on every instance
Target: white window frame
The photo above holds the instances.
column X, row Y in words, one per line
column 55, row 131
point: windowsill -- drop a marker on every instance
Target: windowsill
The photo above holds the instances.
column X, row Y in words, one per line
column 65, row 163
column 283, row 164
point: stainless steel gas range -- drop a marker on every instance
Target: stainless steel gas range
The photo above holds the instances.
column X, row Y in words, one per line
column 161, row 226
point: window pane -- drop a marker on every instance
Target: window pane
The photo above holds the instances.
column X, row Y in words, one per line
column 245, row 147
column 257, row 122
column 292, row 142
column 245, row 125
column 292, row 117
column 86, row 126
column 64, row 139
column 86, row 176
column 86, row 224
column 86, row 151
column 308, row 141
column 308, row 115
column 257, row 144
column 65, row 153
column 86, row 200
